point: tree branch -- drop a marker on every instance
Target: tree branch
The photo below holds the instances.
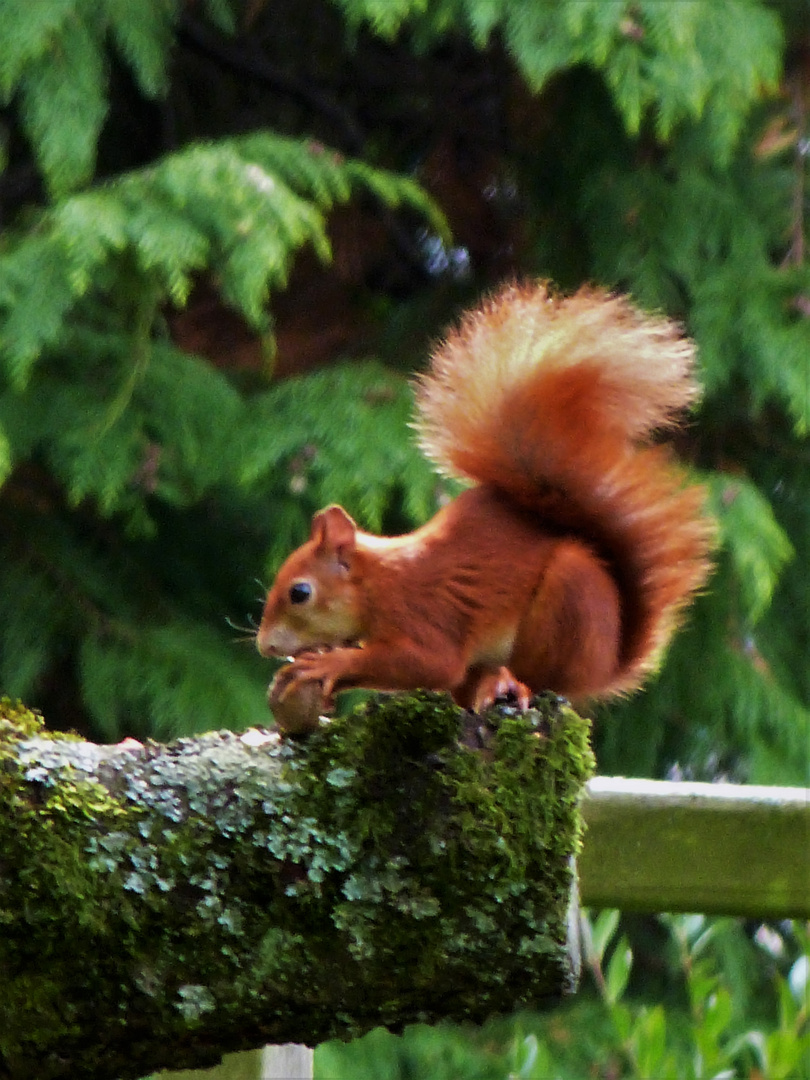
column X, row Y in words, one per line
column 162, row 905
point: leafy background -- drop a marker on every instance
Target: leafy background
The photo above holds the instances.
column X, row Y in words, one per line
column 231, row 230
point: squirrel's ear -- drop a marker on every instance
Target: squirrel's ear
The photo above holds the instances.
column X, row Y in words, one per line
column 334, row 533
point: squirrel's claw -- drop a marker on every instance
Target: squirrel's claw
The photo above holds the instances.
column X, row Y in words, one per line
column 498, row 684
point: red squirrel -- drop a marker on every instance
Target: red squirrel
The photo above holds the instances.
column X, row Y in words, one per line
column 567, row 564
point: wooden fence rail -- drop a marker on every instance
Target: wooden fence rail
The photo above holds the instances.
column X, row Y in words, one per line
column 716, row 848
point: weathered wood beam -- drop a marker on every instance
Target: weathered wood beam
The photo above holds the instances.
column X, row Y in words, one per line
column 715, row 848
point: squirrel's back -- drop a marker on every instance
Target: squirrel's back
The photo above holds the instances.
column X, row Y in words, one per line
column 554, row 401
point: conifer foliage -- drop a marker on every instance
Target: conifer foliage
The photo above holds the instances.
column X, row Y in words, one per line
column 153, row 149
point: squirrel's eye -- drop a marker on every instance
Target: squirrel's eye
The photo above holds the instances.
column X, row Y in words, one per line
column 300, row 592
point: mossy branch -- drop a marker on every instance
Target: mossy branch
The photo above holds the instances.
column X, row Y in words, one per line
column 164, row 904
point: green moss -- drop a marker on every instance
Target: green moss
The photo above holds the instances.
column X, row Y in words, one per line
column 18, row 722
column 238, row 891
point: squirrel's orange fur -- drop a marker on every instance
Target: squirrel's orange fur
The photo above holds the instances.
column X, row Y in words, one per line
column 565, row 567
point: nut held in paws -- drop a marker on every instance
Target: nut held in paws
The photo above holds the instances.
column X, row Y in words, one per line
column 296, row 707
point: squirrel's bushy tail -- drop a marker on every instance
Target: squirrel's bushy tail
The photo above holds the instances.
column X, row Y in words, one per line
column 554, row 401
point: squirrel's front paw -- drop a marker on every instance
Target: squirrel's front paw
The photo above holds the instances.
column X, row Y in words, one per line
column 305, row 669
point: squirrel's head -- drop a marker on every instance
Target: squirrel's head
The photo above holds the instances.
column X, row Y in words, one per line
column 313, row 602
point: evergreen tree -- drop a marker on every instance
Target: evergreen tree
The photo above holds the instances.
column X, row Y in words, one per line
column 174, row 244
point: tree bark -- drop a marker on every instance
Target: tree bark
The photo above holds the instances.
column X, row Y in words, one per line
column 162, row 905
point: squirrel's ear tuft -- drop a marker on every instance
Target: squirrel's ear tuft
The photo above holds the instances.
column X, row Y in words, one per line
column 334, row 533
